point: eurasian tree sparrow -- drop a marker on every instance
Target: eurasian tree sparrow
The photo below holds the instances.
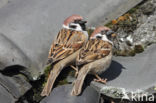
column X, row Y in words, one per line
column 94, row 57
column 65, row 48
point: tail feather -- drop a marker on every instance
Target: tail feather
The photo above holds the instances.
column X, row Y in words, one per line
column 57, row 68
column 79, row 81
column 51, row 79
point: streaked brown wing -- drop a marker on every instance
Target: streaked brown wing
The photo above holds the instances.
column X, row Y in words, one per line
column 66, row 43
column 93, row 50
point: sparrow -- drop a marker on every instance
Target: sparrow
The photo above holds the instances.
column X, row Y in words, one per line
column 94, row 57
column 65, row 47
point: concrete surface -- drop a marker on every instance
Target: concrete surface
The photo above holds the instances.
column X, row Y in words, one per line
column 17, row 86
column 131, row 74
column 3, row 3
column 62, row 94
column 5, row 96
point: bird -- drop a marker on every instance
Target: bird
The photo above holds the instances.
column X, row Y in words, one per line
column 94, row 57
column 65, row 47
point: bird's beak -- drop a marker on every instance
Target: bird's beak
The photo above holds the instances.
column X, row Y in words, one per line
column 110, row 32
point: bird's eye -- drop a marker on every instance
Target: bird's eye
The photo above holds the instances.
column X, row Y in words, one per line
column 72, row 26
column 99, row 37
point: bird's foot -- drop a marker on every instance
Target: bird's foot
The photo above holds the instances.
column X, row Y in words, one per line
column 76, row 70
column 101, row 80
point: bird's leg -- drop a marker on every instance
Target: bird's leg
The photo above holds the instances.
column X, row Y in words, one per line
column 99, row 79
column 76, row 69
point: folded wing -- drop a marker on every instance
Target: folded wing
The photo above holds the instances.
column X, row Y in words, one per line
column 93, row 50
column 66, row 43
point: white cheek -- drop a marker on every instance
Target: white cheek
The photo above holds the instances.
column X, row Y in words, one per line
column 64, row 26
column 104, row 38
column 78, row 28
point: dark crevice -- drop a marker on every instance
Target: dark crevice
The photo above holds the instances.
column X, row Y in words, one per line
column 15, row 70
column 12, row 70
column 33, row 95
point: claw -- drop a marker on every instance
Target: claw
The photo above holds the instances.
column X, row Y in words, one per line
column 99, row 79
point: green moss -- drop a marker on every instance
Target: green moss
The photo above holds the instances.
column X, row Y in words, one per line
column 127, row 22
column 62, row 82
column 47, row 70
column 138, row 48
column 113, row 92
column 36, row 95
column 131, row 52
column 133, row 10
column 109, row 24
column 62, row 78
column 46, row 74
column 125, row 52
column 33, row 96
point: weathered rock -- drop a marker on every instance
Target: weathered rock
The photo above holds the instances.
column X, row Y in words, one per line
column 130, row 75
column 3, row 3
column 17, row 85
column 5, row 96
column 62, row 94
column 10, row 54
column 135, row 29
column 148, row 8
column 146, row 33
